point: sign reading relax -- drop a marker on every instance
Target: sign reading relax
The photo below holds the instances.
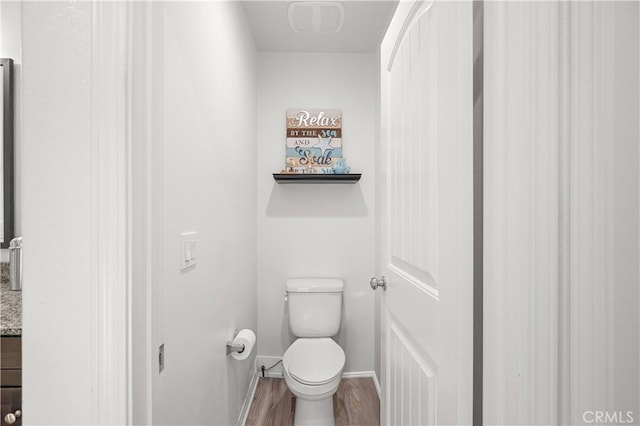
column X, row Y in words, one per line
column 314, row 140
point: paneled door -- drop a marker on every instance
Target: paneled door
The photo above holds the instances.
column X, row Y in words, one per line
column 427, row 214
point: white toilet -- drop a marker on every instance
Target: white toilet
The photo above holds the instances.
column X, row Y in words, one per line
column 313, row 363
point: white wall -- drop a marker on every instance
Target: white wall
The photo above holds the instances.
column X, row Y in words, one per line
column 317, row 230
column 206, row 147
column 11, row 47
column 57, row 320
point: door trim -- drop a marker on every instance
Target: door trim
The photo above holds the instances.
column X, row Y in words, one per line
column 110, row 214
column 521, row 203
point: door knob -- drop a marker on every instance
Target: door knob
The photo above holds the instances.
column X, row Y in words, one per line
column 375, row 283
column 12, row 417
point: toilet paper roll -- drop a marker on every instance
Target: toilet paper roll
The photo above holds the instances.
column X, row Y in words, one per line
column 247, row 338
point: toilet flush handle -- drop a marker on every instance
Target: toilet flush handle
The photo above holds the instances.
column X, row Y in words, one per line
column 375, row 283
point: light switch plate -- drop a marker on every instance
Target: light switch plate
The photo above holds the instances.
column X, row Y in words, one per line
column 188, row 244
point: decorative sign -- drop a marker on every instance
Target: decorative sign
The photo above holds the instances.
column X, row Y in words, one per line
column 314, row 141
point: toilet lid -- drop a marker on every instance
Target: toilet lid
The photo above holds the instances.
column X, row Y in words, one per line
column 314, row 361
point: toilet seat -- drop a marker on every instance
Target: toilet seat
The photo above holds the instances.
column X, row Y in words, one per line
column 314, row 361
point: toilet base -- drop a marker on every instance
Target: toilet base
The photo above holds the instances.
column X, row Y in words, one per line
column 310, row 412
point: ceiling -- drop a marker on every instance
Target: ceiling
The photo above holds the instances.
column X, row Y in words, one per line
column 364, row 26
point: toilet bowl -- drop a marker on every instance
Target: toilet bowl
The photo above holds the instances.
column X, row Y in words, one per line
column 312, row 370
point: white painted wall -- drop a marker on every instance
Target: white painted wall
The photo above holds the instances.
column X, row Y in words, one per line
column 317, row 230
column 56, row 160
column 11, row 47
column 205, row 145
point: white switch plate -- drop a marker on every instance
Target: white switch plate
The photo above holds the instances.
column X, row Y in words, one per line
column 188, row 243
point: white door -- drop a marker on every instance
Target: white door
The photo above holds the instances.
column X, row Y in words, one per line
column 427, row 214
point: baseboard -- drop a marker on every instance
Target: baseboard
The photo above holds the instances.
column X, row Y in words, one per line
column 377, row 385
column 371, row 374
column 276, row 372
column 268, row 361
column 246, row 405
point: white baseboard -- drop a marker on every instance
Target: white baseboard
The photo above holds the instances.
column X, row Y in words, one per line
column 276, row 372
column 371, row 374
column 377, row 385
column 246, row 405
column 268, row 361
column 350, row 374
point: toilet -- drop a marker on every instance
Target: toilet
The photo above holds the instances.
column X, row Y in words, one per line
column 313, row 364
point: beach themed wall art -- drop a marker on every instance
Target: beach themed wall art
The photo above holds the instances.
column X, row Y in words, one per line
column 314, row 141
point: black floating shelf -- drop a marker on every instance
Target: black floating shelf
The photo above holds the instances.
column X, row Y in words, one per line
column 311, row 178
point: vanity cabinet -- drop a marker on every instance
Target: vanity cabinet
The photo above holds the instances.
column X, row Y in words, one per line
column 10, row 378
column 11, row 403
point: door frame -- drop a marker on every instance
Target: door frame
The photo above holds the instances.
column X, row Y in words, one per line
column 111, row 213
column 122, row 359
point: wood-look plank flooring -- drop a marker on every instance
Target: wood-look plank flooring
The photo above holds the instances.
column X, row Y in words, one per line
column 273, row 404
column 355, row 403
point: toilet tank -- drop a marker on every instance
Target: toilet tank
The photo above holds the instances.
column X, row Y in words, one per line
column 315, row 306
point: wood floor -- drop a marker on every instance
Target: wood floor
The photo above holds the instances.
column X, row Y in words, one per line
column 355, row 403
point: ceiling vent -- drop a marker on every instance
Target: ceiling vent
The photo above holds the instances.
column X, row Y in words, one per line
column 316, row 16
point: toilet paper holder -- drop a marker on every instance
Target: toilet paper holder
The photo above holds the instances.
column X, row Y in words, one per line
column 232, row 347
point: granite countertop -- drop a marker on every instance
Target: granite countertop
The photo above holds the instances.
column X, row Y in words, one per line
column 10, row 305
